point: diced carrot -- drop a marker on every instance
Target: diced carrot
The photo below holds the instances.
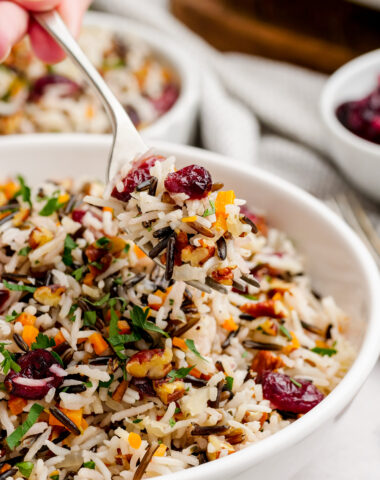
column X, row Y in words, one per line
column 195, row 373
column 139, row 253
column 277, row 296
column 59, row 338
column 29, row 334
column 220, row 223
column 16, row 404
column 222, row 199
column 162, row 295
column 179, row 343
column 53, row 474
column 293, row 345
column 89, row 278
column 10, row 189
column 90, row 112
column 117, row 245
column 5, row 467
column 189, row 219
column 64, row 198
column 123, row 326
column 229, row 325
column 134, row 440
column 120, row 390
column 264, row 417
column 26, row 319
column 108, row 209
column 75, row 416
column 98, row 342
column 160, row 452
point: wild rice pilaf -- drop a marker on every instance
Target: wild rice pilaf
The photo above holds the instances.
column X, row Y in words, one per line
column 35, row 97
column 110, row 369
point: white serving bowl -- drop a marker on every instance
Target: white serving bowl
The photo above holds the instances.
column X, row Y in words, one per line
column 359, row 159
column 337, row 261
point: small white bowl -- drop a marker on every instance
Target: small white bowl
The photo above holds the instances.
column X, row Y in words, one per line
column 359, row 159
column 337, row 261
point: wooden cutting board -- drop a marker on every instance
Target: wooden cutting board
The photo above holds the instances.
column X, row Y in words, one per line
column 320, row 34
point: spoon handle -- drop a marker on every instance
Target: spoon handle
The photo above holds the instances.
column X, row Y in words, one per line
column 127, row 142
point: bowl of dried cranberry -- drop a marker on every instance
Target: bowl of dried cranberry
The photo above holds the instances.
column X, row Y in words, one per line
column 350, row 109
column 329, row 246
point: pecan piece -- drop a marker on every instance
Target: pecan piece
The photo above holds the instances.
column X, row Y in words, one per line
column 154, row 364
column 169, row 391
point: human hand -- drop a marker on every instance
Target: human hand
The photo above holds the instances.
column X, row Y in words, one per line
column 16, row 22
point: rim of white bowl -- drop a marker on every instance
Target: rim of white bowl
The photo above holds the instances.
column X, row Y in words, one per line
column 345, row 391
column 328, row 105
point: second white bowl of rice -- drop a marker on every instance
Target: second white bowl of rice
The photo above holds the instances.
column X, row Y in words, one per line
column 335, row 259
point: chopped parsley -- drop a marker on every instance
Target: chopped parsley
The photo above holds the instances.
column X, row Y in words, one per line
column 118, row 281
column 285, row 332
column 229, row 383
column 126, row 248
column 90, row 464
column 99, row 303
column 172, row 422
column 79, row 272
column 8, row 362
column 43, row 341
column 24, row 251
column 180, row 373
column 89, row 318
column 250, row 297
column 114, row 336
column 52, row 205
column 69, row 246
column 24, row 190
column 139, row 319
column 58, row 358
column 14, row 439
column 72, row 311
column 324, row 351
column 25, row 468
column 244, row 354
column 13, row 316
column 191, row 346
column 209, row 211
column 102, row 242
column 171, row 301
column 97, row 265
column 14, row 287
column 138, row 420
column 107, row 383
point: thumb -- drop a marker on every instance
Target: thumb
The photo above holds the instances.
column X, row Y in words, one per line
column 38, row 5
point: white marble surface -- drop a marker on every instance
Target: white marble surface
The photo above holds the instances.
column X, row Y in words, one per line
column 352, row 451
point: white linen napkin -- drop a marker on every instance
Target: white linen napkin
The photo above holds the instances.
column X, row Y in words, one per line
column 266, row 113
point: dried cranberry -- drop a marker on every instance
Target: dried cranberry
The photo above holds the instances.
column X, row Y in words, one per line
column 137, row 174
column 36, row 365
column 284, row 393
column 77, row 215
column 167, row 99
column 43, row 83
column 4, row 297
column 362, row 117
column 193, row 180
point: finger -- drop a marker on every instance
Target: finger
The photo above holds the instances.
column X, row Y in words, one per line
column 38, row 5
column 13, row 26
column 43, row 45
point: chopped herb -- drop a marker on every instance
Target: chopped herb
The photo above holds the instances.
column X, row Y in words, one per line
column 113, row 301
column 14, row 439
column 13, row 316
column 97, row 265
column 3, row 388
column 138, row 420
column 191, row 346
column 102, row 242
column 114, row 334
column 285, row 332
column 250, row 297
column 171, row 301
column 324, row 351
column 100, row 302
column 51, row 206
column 9, row 362
column 58, row 358
column 14, row 287
column 209, row 211
column 89, row 318
column 172, row 422
column 118, row 281
column 244, row 354
column 24, row 190
column 69, row 246
column 297, row 384
column 126, row 248
column 177, row 410
column 180, row 373
column 139, row 319
column 90, row 465
column 230, row 383
column 24, row 251
column 54, row 477
column 25, row 468
column 121, row 339
column 43, row 341
column 72, row 311
column 107, row 383
column 79, row 272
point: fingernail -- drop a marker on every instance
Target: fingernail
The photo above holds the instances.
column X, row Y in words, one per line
column 7, row 52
